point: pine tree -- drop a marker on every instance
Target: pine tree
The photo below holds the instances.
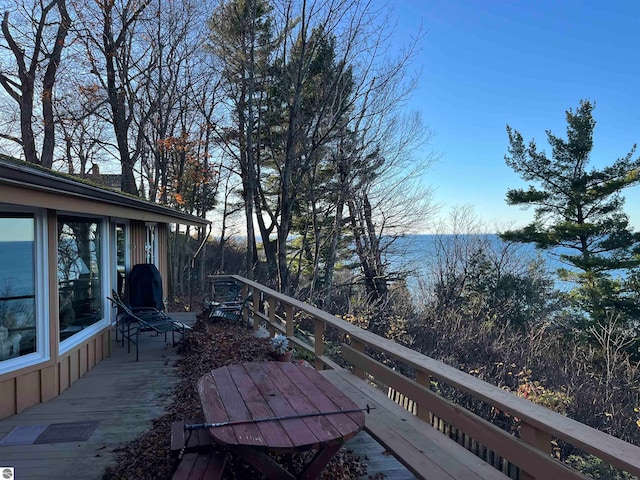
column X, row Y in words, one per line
column 578, row 214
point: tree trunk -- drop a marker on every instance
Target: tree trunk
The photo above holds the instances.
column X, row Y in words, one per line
column 368, row 250
column 117, row 97
column 333, row 249
column 48, row 82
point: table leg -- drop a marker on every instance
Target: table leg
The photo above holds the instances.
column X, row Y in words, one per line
column 265, row 464
column 320, row 460
column 288, row 461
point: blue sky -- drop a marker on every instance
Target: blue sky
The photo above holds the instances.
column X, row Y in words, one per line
column 489, row 63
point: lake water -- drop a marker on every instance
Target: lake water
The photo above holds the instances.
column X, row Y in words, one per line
column 16, row 269
column 17, row 315
column 418, row 254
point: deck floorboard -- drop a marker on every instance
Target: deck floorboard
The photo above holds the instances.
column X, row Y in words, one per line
column 376, row 458
column 120, row 393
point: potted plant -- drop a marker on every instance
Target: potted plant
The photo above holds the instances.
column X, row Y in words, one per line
column 280, row 348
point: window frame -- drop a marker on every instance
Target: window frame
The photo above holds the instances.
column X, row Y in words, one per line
column 83, row 335
column 113, row 260
column 41, row 280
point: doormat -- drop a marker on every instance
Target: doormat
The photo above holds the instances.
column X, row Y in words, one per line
column 54, row 433
column 23, row 435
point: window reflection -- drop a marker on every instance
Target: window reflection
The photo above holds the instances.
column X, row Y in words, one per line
column 121, row 258
column 17, row 286
column 150, row 244
column 79, row 274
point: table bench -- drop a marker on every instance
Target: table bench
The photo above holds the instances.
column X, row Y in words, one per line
column 423, row 450
column 201, row 466
column 200, row 461
column 192, row 441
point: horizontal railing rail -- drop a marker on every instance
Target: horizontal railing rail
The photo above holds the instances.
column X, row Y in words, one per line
column 17, row 297
column 531, row 451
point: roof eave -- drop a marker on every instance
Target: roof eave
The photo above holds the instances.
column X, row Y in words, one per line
column 26, row 176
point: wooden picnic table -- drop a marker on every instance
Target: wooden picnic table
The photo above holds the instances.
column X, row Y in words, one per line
column 255, row 391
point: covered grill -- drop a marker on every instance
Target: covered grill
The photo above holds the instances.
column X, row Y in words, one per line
column 145, row 287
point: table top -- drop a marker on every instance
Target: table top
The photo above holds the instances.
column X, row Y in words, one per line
column 258, row 390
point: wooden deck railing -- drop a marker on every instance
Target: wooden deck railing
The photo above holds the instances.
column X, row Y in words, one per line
column 530, row 452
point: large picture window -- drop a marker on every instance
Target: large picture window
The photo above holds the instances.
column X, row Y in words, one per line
column 79, row 274
column 17, row 285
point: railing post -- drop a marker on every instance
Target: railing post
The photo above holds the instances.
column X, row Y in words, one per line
column 423, row 379
column 288, row 317
column 272, row 316
column 257, row 307
column 359, row 346
column 318, row 335
column 210, row 277
column 537, row 439
column 245, row 312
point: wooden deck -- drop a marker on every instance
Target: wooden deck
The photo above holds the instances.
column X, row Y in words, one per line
column 120, row 393
column 378, row 460
column 124, row 396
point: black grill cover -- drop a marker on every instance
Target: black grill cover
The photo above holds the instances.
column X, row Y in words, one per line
column 145, row 287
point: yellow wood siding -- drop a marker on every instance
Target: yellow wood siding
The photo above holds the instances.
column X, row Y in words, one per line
column 8, row 398
column 42, row 382
column 48, row 383
column 27, row 390
column 137, row 234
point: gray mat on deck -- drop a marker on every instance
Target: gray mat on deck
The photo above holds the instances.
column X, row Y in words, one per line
column 54, row 433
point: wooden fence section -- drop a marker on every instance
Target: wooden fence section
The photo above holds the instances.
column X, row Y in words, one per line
column 530, row 452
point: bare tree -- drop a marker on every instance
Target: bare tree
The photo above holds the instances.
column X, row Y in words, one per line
column 108, row 32
column 36, row 56
column 167, row 113
column 313, row 94
column 80, row 119
column 378, row 161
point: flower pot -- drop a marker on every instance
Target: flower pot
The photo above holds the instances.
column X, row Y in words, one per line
column 283, row 357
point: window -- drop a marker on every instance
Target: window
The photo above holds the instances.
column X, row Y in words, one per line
column 121, row 258
column 151, row 245
column 17, row 286
column 79, row 274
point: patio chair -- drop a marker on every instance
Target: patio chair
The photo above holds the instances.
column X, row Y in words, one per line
column 130, row 322
column 226, row 300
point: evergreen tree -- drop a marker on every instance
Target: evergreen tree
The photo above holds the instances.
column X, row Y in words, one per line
column 580, row 211
column 242, row 41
